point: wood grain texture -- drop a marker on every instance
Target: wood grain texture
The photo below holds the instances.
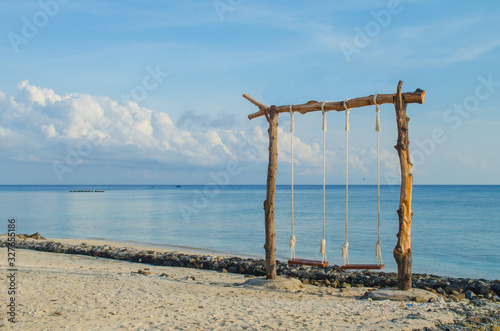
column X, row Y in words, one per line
column 270, row 245
column 411, row 97
column 402, row 251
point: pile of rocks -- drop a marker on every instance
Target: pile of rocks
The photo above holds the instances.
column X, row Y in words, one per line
column 453, row 289
column 36, row 236
column 479, row 316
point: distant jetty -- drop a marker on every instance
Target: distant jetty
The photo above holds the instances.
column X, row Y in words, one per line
column 86, row 191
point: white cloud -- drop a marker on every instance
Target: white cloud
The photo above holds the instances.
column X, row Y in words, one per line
column 308, row 155
column 474, row 162
column 39, row 117
column 356, row 161
column 28, row 158
column 389, row 162
column 36, row 94
column 49, row 130
column 38, row 125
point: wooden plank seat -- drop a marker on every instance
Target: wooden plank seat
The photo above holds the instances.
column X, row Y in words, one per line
column 363, row 266
column 313, row 263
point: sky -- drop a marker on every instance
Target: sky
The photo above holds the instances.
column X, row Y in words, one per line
column 150, row 92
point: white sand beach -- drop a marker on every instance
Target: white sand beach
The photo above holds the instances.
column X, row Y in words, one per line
column 74, row 292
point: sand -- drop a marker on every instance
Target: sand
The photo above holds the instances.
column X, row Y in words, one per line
column 73, row 292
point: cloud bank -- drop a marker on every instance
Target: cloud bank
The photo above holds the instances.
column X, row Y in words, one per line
column 40, row 126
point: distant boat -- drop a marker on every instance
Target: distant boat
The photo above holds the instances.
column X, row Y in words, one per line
column 178, row 186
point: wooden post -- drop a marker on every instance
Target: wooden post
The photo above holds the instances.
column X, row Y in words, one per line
column 270, row 245
column 402, row 251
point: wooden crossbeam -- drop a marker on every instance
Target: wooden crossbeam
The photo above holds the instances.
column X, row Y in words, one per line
column 410, row 97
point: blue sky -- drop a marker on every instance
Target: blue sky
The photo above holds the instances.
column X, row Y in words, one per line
column 149, row 92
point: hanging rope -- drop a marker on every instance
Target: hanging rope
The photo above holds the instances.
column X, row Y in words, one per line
column 378, row 250
column 345, row 248
column 322, row 248
column 292, row 237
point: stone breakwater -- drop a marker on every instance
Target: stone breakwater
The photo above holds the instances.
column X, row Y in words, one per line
column 451, row 289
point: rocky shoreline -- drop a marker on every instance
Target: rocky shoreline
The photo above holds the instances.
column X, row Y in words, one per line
column 452, row 289
column 474, row 293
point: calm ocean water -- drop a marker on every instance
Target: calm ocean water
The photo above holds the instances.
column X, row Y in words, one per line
column 455, row 229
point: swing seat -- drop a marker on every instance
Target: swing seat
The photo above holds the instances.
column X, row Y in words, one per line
column 312, row 263
column 363, row 266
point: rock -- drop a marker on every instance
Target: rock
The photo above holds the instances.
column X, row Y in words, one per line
column 36, row 236
column 397, row 295
column 144, row 272
column 470, row 295
column 483, row 289
column 281, row 283
column 419, row 299
column 224, row 270
column 429, row 289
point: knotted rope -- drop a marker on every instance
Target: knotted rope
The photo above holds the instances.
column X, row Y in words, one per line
column 345, row 248
column 378, row 250
column 292, row 237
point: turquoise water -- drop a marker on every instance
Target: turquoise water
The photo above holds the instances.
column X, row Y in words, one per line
column 455, row 229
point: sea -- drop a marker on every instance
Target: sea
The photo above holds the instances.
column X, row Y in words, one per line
column 455, row 228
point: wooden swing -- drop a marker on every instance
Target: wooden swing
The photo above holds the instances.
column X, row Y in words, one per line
column 402, row 251
column 314, row 263
column 378, row 251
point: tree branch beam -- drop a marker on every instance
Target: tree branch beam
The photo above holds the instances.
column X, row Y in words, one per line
column 410, row 97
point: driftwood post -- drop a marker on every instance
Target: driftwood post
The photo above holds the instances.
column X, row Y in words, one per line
column 402, row 251
column 270, row 245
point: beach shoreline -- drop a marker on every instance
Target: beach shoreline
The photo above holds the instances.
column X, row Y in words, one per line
column 58, row 291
